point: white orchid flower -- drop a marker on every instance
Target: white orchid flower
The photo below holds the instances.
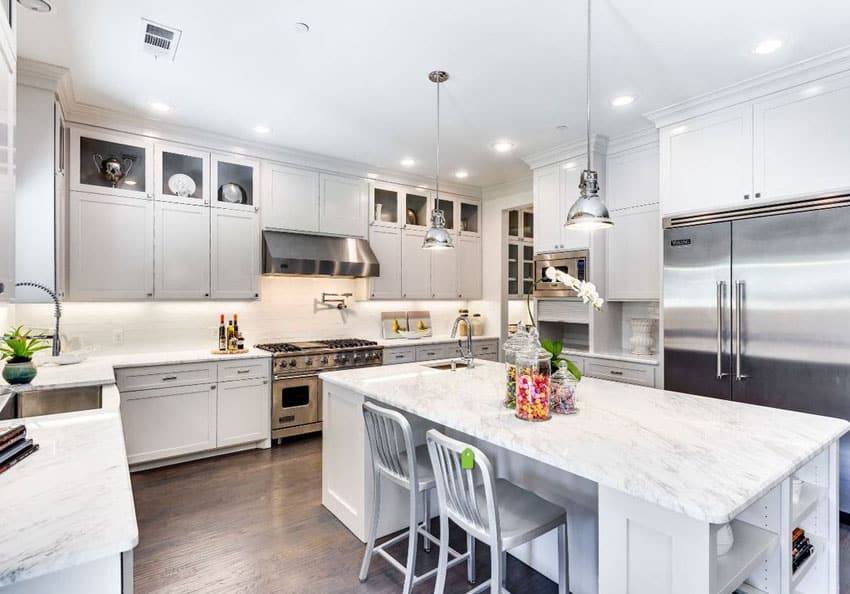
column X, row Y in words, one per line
column 585, row 290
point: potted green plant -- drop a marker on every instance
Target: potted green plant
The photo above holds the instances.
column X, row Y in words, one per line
column 555, row 348
column 18, row 348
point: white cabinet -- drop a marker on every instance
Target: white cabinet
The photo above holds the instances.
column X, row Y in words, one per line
column 444, row 272
column 802, row 141
column 547, row 208
column 111, row 247
column 632, row 178
column 290, row 198
column 128, row 157
column 386, row 243
column 468, row 267
column 167, row 422
column 343, row 204
column 633, row 254
column 415, row 266
column 234, row 182
column 174, row 166
column 182, row 251
column 242, row 412
column 234, row 254
column 706, row 163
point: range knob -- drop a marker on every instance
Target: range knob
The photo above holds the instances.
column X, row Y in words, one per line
column 324, row 359
column 293, row 362
column 308, row 361
column 355, row 358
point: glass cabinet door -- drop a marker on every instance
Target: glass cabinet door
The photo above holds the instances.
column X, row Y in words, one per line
column 527, row 224
column 111, row 163
column 527, row 269
column 416, row 208
column 469, row 218
column 448, row 208
column 513, row 270
column 182, row 174
column 385, row 205
column 235, row 182
column 513, row 224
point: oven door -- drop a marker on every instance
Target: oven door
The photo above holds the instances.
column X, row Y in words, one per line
column 295, row 401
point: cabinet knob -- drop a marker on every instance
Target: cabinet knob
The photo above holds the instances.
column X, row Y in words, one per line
column 206, row 294
column 149, row 195
column 758, row 194
column 256, row 295
column 746, row 196
column 150, row 294
column 212, row 387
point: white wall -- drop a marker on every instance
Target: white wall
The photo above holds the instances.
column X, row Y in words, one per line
column 285, row 311
column 495, row 201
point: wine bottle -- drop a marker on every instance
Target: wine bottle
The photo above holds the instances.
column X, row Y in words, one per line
column 229, row 334
column 222, row 335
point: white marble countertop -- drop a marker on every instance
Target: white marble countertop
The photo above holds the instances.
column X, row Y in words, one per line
column 611, row 356
column 436, row 339
column 706, row 458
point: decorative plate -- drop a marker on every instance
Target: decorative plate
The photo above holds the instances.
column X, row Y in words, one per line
column 411, row 217
column 232, row 193
column 181, row 185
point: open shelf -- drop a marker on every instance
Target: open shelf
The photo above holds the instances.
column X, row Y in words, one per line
column 819, row 546
column 748, row 589
column 810, row 495
column 751, row 546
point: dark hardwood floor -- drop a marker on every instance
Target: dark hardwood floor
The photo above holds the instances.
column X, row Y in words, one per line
column 254, row 523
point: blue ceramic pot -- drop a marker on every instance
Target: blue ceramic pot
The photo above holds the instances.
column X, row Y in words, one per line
column 19, row 373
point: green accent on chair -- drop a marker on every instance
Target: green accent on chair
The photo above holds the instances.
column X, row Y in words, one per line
column 467, row 459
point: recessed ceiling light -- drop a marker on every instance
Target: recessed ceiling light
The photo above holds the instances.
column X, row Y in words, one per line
column 36, row 5
column 160, row 106
column 301, row 27
column 768, row 46
column 570, row 165
column 678, row 130
column 372, row 175
column 812, row 91
column 461, row 174
column 503, row 146
column 408, row 162
column 262, row 129
column 622, row 100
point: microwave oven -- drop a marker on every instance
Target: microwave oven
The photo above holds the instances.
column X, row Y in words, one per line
column 574, row 263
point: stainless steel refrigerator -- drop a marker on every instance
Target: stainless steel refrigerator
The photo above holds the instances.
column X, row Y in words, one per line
column 757, row 309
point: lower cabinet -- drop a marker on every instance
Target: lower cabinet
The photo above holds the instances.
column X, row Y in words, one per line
column 620, row 371
column 486, row 349
column 167, row 422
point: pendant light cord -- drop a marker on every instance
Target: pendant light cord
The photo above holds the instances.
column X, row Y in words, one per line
column 588, row 85
column 437, row 194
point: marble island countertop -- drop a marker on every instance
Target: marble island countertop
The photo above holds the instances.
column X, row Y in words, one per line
column 706, row 458
column 424, row 340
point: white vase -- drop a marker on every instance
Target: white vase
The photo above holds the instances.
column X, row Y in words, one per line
column 641, row 339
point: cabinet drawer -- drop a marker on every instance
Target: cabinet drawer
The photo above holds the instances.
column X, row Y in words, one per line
column 627, row 373
column 480, row 348
column 402, row 355
column 491, row 357
column 145, row 378
column 431, row 352
column 237, row 370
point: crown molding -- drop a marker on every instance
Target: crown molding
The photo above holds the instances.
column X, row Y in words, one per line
column 799, row 73
column 509, row 188
column 570, row 150
column 59, row 80
column 645, row 137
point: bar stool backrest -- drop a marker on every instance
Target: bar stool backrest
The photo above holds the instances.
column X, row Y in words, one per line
column 391, row 444
column 458, row 491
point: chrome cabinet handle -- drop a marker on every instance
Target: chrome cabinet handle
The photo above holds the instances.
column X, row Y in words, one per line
column 739, row 299
column 243, row 371
column 169, row 378
column 613, row 372
column 721, row 286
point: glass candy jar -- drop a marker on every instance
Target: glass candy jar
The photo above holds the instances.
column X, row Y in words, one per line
column 562, row 398
column 533, row 381
column 513, row 345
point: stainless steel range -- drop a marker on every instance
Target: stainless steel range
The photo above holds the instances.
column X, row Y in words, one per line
column 296, row 391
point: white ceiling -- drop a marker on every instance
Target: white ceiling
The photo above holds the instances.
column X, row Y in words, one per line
column 356, row 85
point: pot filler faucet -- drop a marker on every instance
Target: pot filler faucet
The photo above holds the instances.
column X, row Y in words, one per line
column 57, row 343
column 466, row 354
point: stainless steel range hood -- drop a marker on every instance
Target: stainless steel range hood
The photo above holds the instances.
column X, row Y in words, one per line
column 296, row 253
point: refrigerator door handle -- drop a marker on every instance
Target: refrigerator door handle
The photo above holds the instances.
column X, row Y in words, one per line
column 721, row 286
column 739, row 300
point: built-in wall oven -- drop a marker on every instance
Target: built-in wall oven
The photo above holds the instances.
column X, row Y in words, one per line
column 574, row 263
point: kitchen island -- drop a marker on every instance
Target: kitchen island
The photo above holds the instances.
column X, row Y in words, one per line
column 648, row 477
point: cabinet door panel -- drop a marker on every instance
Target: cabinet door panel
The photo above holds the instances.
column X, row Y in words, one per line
column 570, row 238
column 182, row 251
column 343, row 202
column 631, row 178
column 243, row 412
column 386, row 243
column 444, row 273
column 227, row 171
column 634, row 243
column 168, row 422
column 547, row 209
column 706, row 163
column 469, row 268
column 802, row 141
column 415, row 266
column 235, row 254
column 91, row 147
column 290, row 199
column 111, row 247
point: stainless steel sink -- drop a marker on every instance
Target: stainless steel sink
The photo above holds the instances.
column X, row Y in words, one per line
column 448, row 366
column 33, row 403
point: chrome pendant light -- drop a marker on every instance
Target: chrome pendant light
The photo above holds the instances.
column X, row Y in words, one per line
column 588, row 212
column 437, row 236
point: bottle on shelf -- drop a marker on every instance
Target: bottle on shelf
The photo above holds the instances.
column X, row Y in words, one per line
column 229, row 334
column 222, row 334
column 233, row 341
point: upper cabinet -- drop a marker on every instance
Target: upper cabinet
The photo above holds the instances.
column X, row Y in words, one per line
column 801, row 143
column 111, row 163
column 632, row 178
column 470, row 218
column 547, row 207
column 386, row 205
column 343, row 205
column 235, row 182
column 416, row 208
column 234, row 254
column 7, row 156
column 182, row 174
column 634, row 254
column 181, row 251
column 290, row 198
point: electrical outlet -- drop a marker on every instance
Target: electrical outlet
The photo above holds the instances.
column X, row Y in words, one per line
column 118, row 336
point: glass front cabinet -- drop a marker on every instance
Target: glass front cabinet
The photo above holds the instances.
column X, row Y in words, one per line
column 520, row 232
column 235, row 182
column 182, row 174
column 111, row 163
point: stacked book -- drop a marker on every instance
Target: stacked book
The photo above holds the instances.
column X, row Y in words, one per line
column 801, row 548
column 14, row 446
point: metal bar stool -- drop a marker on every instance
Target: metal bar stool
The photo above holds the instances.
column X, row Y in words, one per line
column 389, row 431
column 494, row 511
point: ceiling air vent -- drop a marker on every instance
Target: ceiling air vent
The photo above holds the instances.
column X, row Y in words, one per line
column 159, row 40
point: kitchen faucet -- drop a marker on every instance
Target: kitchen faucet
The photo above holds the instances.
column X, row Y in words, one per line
column 466, row 355
column 57, row 343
